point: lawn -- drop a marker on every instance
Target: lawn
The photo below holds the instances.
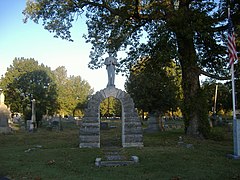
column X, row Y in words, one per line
column 55, row 155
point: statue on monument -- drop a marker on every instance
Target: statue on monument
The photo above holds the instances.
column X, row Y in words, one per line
column 110, row 63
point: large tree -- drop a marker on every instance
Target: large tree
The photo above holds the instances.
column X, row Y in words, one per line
column 26, row 80
column 73, row 92
column 154, row 87
column 192, row 32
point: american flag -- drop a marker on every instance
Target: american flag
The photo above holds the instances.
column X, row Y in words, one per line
column 231, row 43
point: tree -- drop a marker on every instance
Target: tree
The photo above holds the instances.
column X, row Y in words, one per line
column 18, row 67
column 24, row 81
column 40, row 86
column 110, row 107
column 60, row 74
column 73, row 92
column 155, row 87
column 224, row 96
column 192, row 32
column 79, row 91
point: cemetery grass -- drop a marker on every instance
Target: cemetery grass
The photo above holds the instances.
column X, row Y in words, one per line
column 55, row 155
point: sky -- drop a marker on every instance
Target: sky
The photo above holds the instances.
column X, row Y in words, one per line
column 30, row 40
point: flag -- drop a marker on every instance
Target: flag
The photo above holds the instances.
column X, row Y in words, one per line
column 231, row 43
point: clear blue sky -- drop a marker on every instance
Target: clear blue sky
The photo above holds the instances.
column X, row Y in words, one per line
column 33, row 41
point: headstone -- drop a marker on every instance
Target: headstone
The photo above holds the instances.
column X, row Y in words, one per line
column 55, row 123
column 153, row 124
column 183, row 144
column 114, row 157
column 4, row 115
column 28, row 123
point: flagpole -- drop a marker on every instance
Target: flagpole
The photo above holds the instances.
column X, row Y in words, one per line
column 236, row 125
column 233, row 92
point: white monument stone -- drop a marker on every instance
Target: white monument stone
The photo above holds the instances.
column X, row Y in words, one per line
column 33, row 118
column 236, row 135
column 4, row 115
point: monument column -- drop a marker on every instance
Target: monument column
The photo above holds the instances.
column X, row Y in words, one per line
column 4, row 115
column 2, row 98
column 33, row 118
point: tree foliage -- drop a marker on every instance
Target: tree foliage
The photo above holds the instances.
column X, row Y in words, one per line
column 192, row 32
column 73, row 92
column 26, row 80
column 154, row 87
column 110, row 107
column 223, row 96
column 53, row 91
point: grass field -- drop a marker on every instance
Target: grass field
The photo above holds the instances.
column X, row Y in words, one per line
column 55, row 154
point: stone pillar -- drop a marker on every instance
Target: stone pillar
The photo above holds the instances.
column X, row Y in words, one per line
column 236, row 134
column 90, row 125
column 4, row 115
column 2, row 98
column 33, row 118
column 236, row 137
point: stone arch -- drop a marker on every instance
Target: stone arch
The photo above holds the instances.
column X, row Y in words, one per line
column 131, row 124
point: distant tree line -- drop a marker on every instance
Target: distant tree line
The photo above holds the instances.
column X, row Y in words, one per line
column 54, row 91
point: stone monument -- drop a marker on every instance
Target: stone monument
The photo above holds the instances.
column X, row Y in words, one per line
column 131, row 125
column 110, row 63
column 4, row 115
column 33, row 117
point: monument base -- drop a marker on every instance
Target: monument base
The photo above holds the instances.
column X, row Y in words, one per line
column 232, row 156
column 136, row 144
column 89, row 145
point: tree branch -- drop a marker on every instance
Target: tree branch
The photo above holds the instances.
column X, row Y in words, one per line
column 213, row 76
column 220, row 28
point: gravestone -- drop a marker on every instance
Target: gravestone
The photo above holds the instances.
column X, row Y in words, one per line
column 131, row 125
column 55, row 123
column 4, row 115
column 153, row 124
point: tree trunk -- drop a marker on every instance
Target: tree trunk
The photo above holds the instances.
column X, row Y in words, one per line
column 190, row 84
